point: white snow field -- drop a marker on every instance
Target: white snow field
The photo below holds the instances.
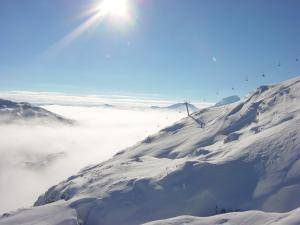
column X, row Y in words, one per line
column 242, row 158
column 241, row 218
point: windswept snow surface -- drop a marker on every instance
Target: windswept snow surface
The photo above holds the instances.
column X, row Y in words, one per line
column 243, row 218
column 238, row 157
column 54, row 214
column 60, row 213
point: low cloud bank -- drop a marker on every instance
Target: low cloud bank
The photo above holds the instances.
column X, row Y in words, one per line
column 34, row 157
column 124, row 101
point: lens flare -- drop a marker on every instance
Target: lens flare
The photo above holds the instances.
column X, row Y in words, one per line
column 115, row 8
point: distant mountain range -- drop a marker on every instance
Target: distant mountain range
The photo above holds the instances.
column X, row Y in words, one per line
column 177, row 107
column 228, row 100
column 22, row 111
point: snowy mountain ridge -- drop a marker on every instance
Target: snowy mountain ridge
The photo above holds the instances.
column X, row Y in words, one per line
column 22, row 111
column 177, row 107
column 228, row 100
column 238, row 157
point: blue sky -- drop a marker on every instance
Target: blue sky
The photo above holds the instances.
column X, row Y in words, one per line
column 174, row 49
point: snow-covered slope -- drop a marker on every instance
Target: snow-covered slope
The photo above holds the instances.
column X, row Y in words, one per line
column 242, row 218
column 239, row 157
column 22, row 111
column 59, row 213
column 228, row 100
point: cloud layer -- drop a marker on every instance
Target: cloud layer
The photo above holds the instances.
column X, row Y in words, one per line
column 34, row 157
column 124, row 101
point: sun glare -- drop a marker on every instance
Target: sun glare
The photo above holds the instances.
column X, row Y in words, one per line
column 116, row 8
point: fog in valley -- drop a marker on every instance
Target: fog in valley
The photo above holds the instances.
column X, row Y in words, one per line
column 34, row 157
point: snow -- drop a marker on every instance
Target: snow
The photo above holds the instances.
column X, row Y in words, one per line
column 54, row 214
column 61, row 214
column 244, row 218
column 240, row 158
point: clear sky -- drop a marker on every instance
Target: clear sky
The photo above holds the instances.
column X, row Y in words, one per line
column 175, row 49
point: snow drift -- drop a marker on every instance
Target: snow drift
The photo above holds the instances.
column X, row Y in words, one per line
column 238, row 157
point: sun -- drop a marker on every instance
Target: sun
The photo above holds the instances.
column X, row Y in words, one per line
column 115, row 8
column 117, row 11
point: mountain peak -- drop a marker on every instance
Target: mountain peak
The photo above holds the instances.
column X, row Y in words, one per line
column 178, row 107
column 228, row 100
column 22, row 111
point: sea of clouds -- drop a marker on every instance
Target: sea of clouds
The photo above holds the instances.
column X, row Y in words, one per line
column 35, row 156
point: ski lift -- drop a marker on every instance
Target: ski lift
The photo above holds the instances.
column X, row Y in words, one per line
column 263, row 75
column 279, row 64
column 246, row 79
column 233, row 88
column 187, row 107
column 297, row 59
